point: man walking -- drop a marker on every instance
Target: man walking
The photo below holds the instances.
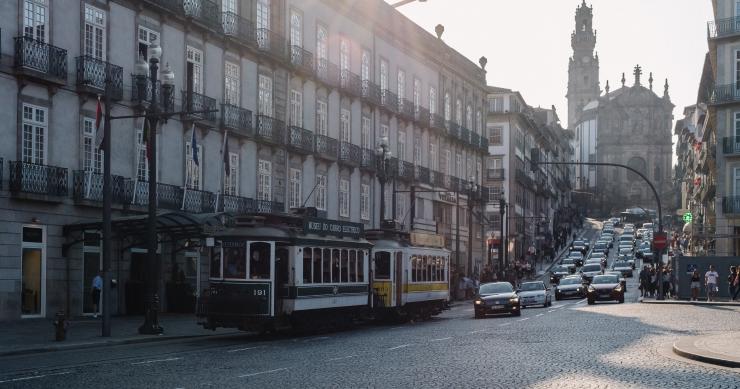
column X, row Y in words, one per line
column 710, row 279
column 97, row 288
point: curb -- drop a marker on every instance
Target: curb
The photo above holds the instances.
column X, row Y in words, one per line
column 112, row 342
column 682, row 348
column 700, row 303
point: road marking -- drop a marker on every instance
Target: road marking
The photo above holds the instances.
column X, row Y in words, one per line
column 401, row 346
column 396, row 328
column 523, row 319
column 33, row 377
column 156, row 360
column 469, row 310
column 263, row 372
column 316, row 338
column 244, row 349
column 503, row 325
column 441, row 339
column 540, row 314
column 340, row 358
column 476, row 331
column 551, row 311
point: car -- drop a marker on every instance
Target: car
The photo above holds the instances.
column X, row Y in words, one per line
column 629, row 225
column 570, row 263
column 596, row 255
column 627, row 258
column 592, row 261
column 534, row 293
column 625, row 251
column 496, row 297
column 623, row 267
column 557, row 272
column 615, row 220
column 579, row 247
column 622, row 280
column 648, row 226
column 605, row 287
column 627, row 238
column 646, row 255
column 601, row 247
column 577, row 257
column 589, row 271
column 570, row 287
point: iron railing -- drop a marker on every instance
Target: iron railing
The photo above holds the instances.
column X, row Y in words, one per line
column 238, row 28
column 206, row 12
column 723, row 27
column 50, row 61
column 368, row 159
column 193, row 102
column 422, row 175
column 26, row 177
column 168, row 196
column 405, row 170
column 437, row 179
column 88, row 186
column 350, row 154
column 243, row 205
column 270, row 42
column 300, row 139
column 453, row 129
column 421, row 116
column 326, row 147
column 475, row 139
column 464, row 135
column 405, row 109
column 199, row 201
column 523, row 179
column 495, row 174
column 454, row 184
column 389, row 101
column 327, row 72
column 270, row 129
column 301, row 60
column 92, row 73
column 350, row 83
column 731, row 145
column 371, row 92
column 236, row 119
column 721, row 94
column 437, row 122
column 731, row 204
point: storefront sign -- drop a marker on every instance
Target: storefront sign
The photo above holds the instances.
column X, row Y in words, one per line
column 338, row 228
column 429, row 240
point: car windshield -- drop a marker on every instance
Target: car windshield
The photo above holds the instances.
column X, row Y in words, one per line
column 575, row 254
column 499, row 287
column 567, row 261
column 605, row 279
column 570, row 281
column 621, row 264
column 597, row 255
column 625, row 250
column 557, row 269
column 592, row 268
column 529, row 286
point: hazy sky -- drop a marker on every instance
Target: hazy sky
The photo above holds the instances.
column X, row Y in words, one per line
column 527, row 42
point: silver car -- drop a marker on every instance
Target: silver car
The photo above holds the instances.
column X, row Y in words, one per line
column 534, row 293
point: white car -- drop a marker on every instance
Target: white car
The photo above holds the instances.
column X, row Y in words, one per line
column 534, row 293
column 589, row 271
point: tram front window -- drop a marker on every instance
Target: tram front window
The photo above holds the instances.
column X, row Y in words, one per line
column 335, row 265
column 235, row 263
column 382, row 265
column 259, row 260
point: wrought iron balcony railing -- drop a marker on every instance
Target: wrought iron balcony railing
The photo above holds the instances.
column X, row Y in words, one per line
column 238, row 28
column 453, row 129
column 731, row 205
column 464, row 135
column 349, row 154
column 326, row 147
column 723, row 27
column 422, row 175
column 88, row 186
column 484, row 144
column 92, row 73
column 205, row 12
column 421, row 116
column 405, row 109
column 236, row 119
column 474, row 139
column 455, row 184
column 371, row 92
column 301, row 60
column 168, row 196
column 350, row 83
column 437, row 122
column 731, row 145
column 270, row 130
column 437, row 178
column 199, row 201
column 26, row 177
column 523, row 179
column 368, row 159
column 327, row 72
column 300, row 140
column 270, row 42
column 405, row 171
column 389, row 101
column 40, row 59
column 723, row 94
column 243, row 205
column 141, row 93
column 495, row 174
column 193, row 102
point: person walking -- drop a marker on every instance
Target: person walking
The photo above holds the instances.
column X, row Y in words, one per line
column 667, row 283
column 97, row 289
column 710, row 279
column 695, row 285
column 731, row 287
column 736, row 282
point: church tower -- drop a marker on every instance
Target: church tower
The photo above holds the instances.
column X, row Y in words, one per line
column 583, row 66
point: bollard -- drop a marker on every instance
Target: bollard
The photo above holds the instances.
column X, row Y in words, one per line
column 60, row 326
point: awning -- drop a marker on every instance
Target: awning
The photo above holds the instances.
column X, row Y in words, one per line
column 687, row 227
column 177, row 225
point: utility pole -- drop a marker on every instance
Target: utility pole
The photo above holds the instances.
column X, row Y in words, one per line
column 107, row 239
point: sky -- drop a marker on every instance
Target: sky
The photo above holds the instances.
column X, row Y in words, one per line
column 527, row 42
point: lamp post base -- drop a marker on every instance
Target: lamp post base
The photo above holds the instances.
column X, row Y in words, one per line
column 151, row 320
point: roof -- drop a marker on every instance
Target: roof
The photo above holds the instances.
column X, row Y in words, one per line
column 175, row 224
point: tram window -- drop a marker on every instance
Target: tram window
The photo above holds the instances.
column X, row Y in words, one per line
column 235, row 262
column 413, row 269
column 352, row 266
column 326, row 265
column 335, row 265
column 345, row 266
column 382, row 265
column 360, row 266
column 430, row 261
column 216, row 264
column 316, row 266
column 432, row 269
column 425, row 269
column 307, row 262
column 259, row 260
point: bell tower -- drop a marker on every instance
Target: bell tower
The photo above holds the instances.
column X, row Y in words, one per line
column 583, row 66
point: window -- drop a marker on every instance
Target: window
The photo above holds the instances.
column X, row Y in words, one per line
column 296, row 108
column 193, row 171
column 234, row 259
column 146, row 37
column 263, row 14
column 344, row 121
column 344, row 56
column 296, row 28
column 231, row 181
column 496, row 104
column 194, row 70
column 401, row 207
column 365, row 132
column 307, row 265
column 35, row 19
column 335, row 265
column 383, row 74
column 478, row 122
column 94, row 38
column 295, row 188
column 384, row 131
column 142, row 164
column 494, row 163
column 34, row 134
column 432, row 100
column 401, row 145
column 365, row 71
column 344, row 198
column 265, row 95
column 264, row 185
column 231, row 83
column 382, row 265
column 494, row 136
column 459, row 166
column 458, row 112
column 365, row 202
column 259, row 260
column 228, row 6
column 495, row 190
column 469, row 117
column 737, row 69
column 92, row 157
column 321, row 118
column 736, row 181
column 469, row 166
column 33, row 271
column 417, row 150
column 447, row 162
column 322, row 43
column 447, row 108
column 401, row 84
column 417, row 94
column 419, row 207
column 321, row 192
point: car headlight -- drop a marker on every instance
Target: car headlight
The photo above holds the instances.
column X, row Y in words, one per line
column 514, row 300
column 591, row 289
column 478, row 302
column 579, row 289
column 618, row 288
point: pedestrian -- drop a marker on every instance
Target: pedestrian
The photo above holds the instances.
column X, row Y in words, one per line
column 666, row 283
column 736, row 282
column 97, row 288
column 643, row 277
column 710, row 279
column 695, row 285
column 653, row 281
column 732, row 288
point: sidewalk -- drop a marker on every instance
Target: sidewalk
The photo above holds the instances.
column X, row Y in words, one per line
column 723, row 349
column 648, row 300
column 37, row 335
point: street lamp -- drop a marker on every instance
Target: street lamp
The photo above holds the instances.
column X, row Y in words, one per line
column 472, row 188
column 502, row 210
column 383, row 153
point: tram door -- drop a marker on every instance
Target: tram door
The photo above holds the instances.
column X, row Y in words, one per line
column 400, row 279
column 282, row 277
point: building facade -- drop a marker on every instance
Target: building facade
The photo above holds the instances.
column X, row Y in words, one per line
column 302, row 92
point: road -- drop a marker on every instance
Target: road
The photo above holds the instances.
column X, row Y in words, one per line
column 568, row 345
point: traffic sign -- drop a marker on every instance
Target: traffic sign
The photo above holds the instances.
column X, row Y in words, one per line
column 688, row 217
column 660, row 240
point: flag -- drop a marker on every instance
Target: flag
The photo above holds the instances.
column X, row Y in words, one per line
column 145, row 139
column 194, row 146
column 227, row 162
column 99, row 134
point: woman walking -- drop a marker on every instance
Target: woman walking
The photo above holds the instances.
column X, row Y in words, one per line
column 695, row 285
column 731, row 286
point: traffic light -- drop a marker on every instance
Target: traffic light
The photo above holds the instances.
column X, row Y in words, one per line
column 534, row 159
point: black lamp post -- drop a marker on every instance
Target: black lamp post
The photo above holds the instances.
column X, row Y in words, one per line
column 154, row 112
column 472, row 189
column 502, row 210
column 384, row 160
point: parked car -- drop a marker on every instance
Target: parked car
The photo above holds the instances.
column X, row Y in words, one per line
column 496, row 297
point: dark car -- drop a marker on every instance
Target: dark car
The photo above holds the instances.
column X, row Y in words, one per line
column 496, row 297
column 601, row 247
column 605, row 288
column 577, row 257
column 557, row 272
column 570, row 263
column 570, row 287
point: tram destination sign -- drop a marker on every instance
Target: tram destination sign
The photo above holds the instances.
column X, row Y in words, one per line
column 313, row 225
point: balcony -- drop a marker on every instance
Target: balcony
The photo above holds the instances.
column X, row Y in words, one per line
column 437, row 122
column 484, row 144
column 368, row 160
column 475, row 139
column 731, row 145
column 723, row 27
column 300, row 140
column 523, row 179
column 242, row 205
column 389, row 101
column 422, row 175
column 141, row 93
column 437, row 179
column 350, row 154
column 205, row 12
column 371, row 92
column 405, row 171
column 199, row 201
column 326, row 147
column 350, row 83
column 406, row 110
column 495, row 174
column 301, row 60
column 327, row 73
column 238, row 28
column 36, row 179
column 724, row 94
column 731, row 205
column 40, row 60
column 271, row 43
column 454, row 184
column 92, row 73
column 168, row 196
column 236, row 119
column 87, row 187
column 464, row 135
column 453, row 130
column 421, row 116
column 270, row 130
column 192, row 102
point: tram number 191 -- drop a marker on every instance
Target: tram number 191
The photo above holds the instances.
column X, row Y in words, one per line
column 260, row 292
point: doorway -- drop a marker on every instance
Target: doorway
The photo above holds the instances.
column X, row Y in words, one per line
column 33, row 272
column 92, row 263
